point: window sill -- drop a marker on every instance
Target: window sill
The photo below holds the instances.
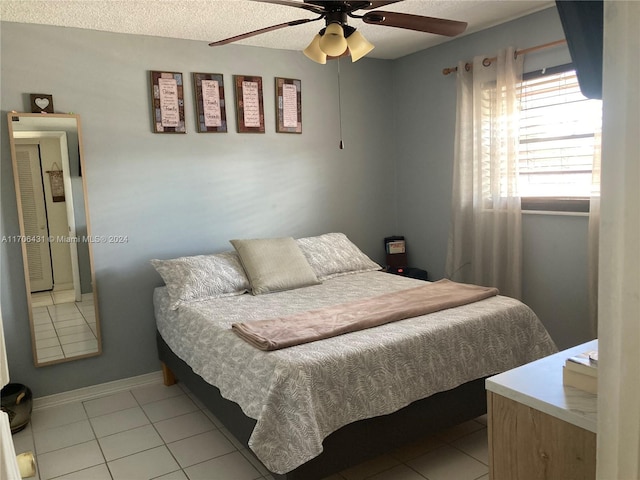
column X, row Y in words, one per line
column 551, row 205
column 551, row 213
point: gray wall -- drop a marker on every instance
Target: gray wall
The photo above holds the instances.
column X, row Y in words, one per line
column 187, row 194
column 555, row 247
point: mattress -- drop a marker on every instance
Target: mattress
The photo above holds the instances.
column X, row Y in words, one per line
column 299, row 395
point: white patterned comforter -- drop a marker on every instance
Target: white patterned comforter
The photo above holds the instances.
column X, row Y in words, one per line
column 300, row 395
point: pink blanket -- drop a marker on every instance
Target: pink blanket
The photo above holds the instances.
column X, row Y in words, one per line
column 304, row 327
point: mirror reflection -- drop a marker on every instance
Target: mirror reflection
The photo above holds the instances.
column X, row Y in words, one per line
column 47, row 160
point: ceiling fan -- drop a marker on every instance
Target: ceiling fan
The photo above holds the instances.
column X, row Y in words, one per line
column 337, row 38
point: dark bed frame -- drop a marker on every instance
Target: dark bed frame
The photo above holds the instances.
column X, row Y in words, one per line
column 353, row 443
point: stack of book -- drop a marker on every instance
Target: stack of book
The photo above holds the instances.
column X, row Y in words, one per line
column 581, row 371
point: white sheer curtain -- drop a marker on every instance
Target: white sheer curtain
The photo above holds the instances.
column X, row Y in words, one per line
column 594, row 238
column 485, row 240
column 619, row 289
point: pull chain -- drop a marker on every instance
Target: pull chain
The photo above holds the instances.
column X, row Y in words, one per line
column 340, row 106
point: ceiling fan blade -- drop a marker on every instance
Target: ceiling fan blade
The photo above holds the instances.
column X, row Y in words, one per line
column 379, row 3
column 291, row 3
column 262, row 30
column 439, row 26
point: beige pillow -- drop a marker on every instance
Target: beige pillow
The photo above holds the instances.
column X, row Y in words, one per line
column 274, row 264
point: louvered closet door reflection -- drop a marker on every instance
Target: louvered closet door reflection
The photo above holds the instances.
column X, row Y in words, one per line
column 35, row 217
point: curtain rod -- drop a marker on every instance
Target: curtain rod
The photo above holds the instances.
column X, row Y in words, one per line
column 487, row 61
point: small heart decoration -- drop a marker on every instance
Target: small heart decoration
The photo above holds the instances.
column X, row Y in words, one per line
column 42, row 103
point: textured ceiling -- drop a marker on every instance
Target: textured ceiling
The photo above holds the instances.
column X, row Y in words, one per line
column 218, row 19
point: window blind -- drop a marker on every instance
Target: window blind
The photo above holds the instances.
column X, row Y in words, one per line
column 559, row 129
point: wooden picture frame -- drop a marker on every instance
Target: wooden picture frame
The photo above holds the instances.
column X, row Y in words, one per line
column 249, row 103
column 167, row 102
column 211, row 114
column 288, row 105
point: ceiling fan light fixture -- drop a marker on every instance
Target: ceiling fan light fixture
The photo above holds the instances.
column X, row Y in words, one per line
column 314, row 52
column 358, row 46
column 333, row 42
column 339, row 39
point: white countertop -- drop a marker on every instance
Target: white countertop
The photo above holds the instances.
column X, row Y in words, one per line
column 539, row 385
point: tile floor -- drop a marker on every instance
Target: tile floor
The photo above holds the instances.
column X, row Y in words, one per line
column 63, row 328
column 158, row 432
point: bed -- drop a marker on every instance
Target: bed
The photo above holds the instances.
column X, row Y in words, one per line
column 313, row 409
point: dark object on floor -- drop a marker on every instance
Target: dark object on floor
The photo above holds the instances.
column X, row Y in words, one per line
column 17, row 401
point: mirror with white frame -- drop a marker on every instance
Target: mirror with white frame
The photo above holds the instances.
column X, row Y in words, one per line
column 48, row 171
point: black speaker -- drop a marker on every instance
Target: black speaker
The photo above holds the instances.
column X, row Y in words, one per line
column 395, row 248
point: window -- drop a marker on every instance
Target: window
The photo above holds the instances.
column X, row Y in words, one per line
column 559, row 131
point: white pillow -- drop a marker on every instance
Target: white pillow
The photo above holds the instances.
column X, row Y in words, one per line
column 274, row 264
column 333, row 254
column 200, row 277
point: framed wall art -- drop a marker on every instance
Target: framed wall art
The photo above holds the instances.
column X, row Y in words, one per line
column 167, row 102
column 210, row 104
column 41, row 103
column 288, row 105
column 249, row 104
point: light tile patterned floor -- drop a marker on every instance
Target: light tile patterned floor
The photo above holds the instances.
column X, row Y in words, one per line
column 158, row 432
column 63, row 328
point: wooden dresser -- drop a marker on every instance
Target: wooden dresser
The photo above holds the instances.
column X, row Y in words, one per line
column 538, row 428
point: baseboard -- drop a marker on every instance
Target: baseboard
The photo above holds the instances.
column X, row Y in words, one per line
column 94, row 391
